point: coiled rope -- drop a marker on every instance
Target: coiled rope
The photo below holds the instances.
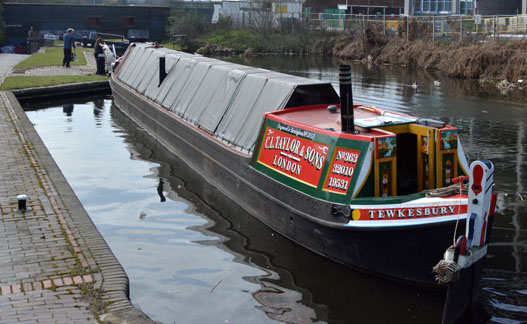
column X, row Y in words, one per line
column 451, row 190
column 448, row 271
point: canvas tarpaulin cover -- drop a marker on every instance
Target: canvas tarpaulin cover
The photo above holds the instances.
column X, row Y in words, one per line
column 228, row 100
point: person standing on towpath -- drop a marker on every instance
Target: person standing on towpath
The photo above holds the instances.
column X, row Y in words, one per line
column 99, row 55
column 68, row 45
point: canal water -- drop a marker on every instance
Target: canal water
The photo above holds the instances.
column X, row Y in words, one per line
column 193, row 256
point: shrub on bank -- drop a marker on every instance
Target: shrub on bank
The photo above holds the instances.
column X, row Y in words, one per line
column 472, row 58
column 492, row 59
column 225, row 40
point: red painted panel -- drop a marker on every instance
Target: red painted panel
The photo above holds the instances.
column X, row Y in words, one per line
column 408, row 212
column 477, row 178
column 293, row 156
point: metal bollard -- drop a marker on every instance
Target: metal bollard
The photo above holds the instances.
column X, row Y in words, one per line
column 22, row 199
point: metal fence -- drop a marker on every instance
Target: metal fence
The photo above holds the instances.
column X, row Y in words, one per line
column 155, row 3
column 423, row 27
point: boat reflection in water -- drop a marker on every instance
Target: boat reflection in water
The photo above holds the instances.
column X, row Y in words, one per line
column 297, row 286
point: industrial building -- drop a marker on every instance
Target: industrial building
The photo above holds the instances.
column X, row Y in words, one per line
column 21, row 18
column 465, row 7
column 420, row 7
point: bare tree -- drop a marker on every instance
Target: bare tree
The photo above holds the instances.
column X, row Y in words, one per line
column 261, row 16
column 187, row 23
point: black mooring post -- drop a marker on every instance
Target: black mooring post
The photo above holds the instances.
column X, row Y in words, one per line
column 346, row 99
column 22, row 202
column 162, row 71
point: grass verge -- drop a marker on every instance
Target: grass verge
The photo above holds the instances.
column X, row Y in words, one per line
column 250, row 42
column 52, row 57
column 171, row 45
column 22, row 82
column 237, row 40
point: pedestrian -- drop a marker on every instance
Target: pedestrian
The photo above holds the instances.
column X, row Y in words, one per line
column 109, row 58
column 68, row 45
column 99, row 55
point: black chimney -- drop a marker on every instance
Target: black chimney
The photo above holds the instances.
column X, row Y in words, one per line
column 162, row 71
column 346, row 99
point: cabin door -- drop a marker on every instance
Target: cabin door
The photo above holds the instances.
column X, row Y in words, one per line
column 446, row 153
column 437, row 156
column 426, row 158
column 412, row 169
column 407, row 170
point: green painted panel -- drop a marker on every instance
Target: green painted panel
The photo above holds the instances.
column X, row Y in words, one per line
column 368, row 190
column 302, row 160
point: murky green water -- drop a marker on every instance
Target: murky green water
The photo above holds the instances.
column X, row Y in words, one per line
column 194, row 257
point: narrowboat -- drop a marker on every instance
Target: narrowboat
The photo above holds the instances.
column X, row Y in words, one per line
column 365, row 187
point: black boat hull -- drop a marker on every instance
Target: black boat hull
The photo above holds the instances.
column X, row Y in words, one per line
column 405, row 253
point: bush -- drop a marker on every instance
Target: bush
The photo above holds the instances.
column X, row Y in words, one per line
column 224, row 23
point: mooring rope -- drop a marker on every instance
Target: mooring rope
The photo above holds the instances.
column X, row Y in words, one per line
column 449, row 191
column 461, row 189
column 448, row 271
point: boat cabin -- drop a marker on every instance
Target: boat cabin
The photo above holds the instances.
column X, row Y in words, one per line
column 387, row 155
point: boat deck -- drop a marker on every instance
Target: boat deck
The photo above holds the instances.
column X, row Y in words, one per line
column 365, row 118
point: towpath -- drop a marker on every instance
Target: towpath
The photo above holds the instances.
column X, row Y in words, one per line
column 7, row 62
column 58, row 70
column 55, row 267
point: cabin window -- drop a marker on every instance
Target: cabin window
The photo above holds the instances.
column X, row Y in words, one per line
column 406, row 164
column 313, row 95
column 128, row 21
column 93, row 21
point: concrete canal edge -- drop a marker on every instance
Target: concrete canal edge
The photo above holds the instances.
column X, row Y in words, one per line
column 113, row 280
column 64, row 90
